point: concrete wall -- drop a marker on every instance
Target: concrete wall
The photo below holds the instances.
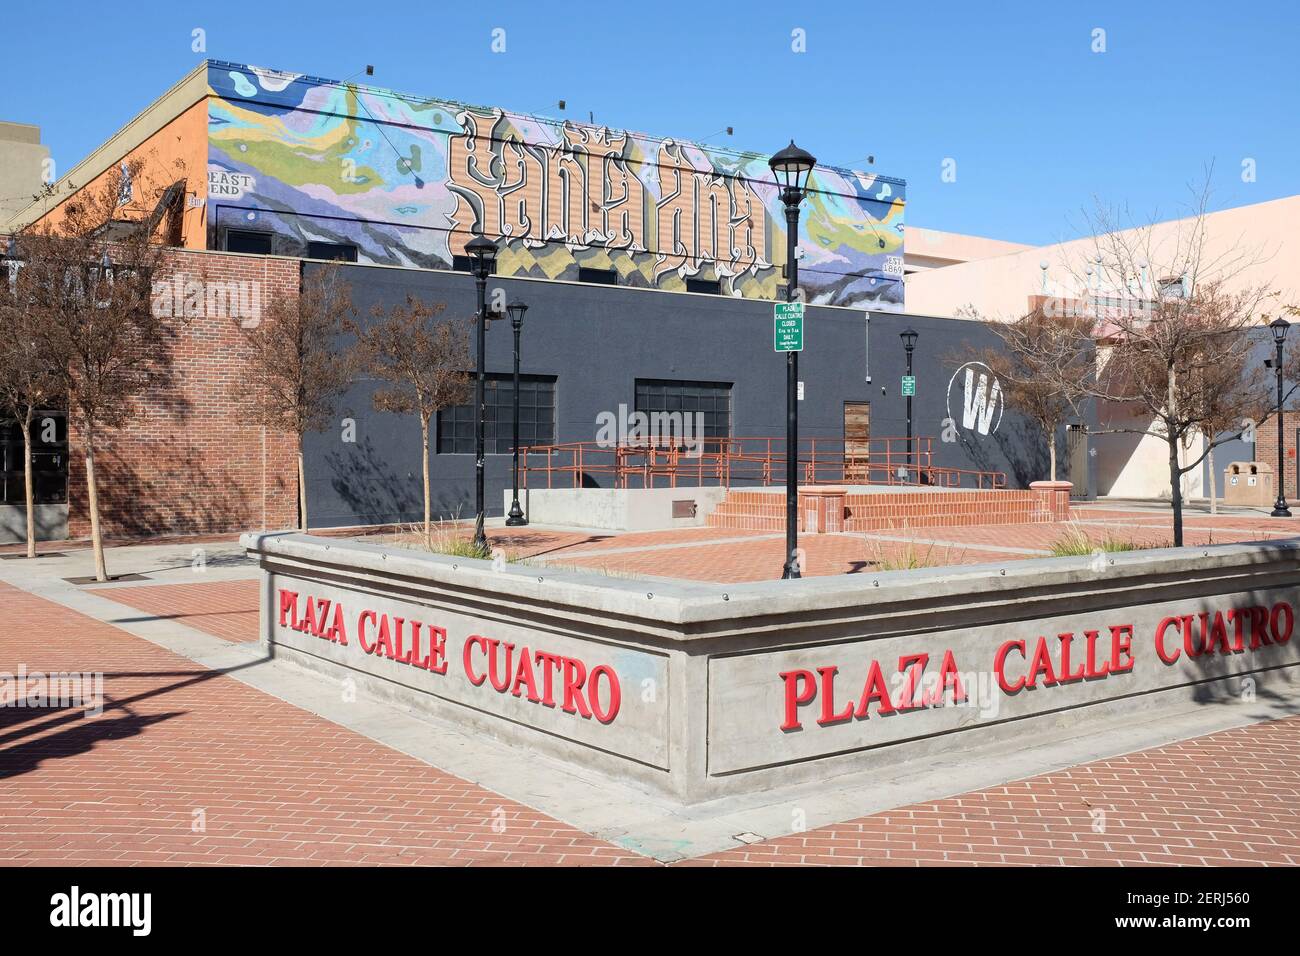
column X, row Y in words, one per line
column 705, row 690
column 51, row 523
column 22, row 159
column 598, row 340
column 617, row 509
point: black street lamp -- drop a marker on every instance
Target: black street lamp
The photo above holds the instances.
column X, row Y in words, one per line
column 909, row 337
column 516, row 310
column 1279, row 329
column 791, row 167
column 483, row 253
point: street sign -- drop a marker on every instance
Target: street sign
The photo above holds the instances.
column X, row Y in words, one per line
column 787, row 327
column 909, row 386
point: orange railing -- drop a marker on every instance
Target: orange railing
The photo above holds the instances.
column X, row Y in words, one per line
column 749, row 461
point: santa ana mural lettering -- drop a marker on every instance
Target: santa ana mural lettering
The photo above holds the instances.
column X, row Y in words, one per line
column 408, row 181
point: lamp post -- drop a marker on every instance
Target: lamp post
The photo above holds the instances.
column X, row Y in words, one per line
column 516, row 310
column 1279, row 329
column 483, row 253
column 909, row 337
column 791, row 167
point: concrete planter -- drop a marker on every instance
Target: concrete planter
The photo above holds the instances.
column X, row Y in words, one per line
column 703, row 690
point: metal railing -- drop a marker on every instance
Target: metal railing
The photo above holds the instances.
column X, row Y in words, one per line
column 746, row 461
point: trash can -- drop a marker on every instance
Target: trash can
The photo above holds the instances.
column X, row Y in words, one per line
column 1248, row 483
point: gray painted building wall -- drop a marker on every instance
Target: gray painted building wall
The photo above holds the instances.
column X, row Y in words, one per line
column 598, row 340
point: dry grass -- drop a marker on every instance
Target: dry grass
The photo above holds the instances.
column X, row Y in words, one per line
column 887, row 556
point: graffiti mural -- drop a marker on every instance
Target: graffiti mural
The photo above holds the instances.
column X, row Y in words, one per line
column 409, row 181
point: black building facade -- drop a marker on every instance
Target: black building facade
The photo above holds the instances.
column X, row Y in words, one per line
column 589, row 348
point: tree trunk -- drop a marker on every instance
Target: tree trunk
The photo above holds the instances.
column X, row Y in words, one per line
column 1176, row 491
column 1051, row 451
column 1175, row 470
column 302, row 492
column 27, row 487
column 92, row 494
column 1214, row 489
column 424, row 437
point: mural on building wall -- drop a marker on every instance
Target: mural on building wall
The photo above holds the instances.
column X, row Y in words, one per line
column 410, row 181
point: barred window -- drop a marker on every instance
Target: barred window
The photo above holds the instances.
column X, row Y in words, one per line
column 712, row 400
column 536, row 416
column 336, row 251
column 49, row 460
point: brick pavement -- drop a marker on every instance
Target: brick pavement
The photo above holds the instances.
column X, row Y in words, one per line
column 1224, row 799
column 225, row 609
column 728, row 555
column 277, row 784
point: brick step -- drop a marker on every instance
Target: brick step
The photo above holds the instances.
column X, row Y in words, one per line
column 759, row 511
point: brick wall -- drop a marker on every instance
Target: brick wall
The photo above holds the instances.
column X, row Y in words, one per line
column 190, row 462
column 1266, row 448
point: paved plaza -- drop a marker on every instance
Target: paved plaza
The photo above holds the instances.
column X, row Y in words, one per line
column 207, row 753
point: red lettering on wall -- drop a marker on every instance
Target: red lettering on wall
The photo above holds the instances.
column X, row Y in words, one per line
column 1093, row 670
column 800, row 688
column 950, row 678
column 1000, row 663
column 1121, row 648
column 1258, row 627
column 470, row 643
column 875, row 689
column 575, row 673
column 361, row 630
column 1163, row 654
column 912, row 666
column 828, row 699
column 1281, row 622
column 288, row 608
column 603, row 673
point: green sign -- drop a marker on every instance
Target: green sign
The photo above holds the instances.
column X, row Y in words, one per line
column 909, row 385
column 787, row 327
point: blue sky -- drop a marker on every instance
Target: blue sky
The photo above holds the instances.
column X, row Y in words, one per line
column 1037, row 123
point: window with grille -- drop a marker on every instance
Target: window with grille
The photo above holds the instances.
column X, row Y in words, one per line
column 336, row 251
column 248, row 241
column 49, row 460
column 711, row 400
column 598, row 276
column 536, row 417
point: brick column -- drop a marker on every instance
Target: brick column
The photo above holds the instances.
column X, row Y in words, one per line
column 1053, row 498
column 821, row 509
column 1266, row 451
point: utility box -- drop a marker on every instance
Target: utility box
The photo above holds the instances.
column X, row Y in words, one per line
column 1248, row 483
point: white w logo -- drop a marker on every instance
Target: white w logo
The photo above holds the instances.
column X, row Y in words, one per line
column 981, row 401
column 981, row 410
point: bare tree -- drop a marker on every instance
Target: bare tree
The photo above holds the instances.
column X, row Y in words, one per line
column 1044, row 367
column 297, row 367
column 30, row 382
column 1173, row 334
column 86, row 281
column 1247, row 391
column 424, row 361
